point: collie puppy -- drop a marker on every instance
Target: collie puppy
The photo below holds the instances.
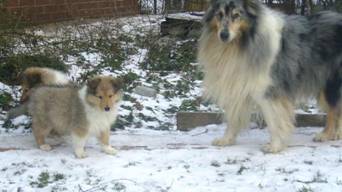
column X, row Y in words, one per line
column 81, row 112
column 253, row 56
column 33, row 77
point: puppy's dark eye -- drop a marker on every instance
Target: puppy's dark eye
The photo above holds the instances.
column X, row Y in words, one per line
column 100, row 97
column 235, row 16
column 110, row 96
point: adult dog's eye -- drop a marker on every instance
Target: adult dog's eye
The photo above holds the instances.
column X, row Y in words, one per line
column 235, row 16
column 220, row 15
column 100, row 97
column 110, row 96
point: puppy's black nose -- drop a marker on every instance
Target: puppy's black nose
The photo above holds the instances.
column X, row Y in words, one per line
column 224, row 36
column 107, row 108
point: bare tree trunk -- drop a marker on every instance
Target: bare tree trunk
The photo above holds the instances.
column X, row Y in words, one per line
column 271, row 2
column 155, row 7
column 292, row 6
column 302, row 7
column 309, row 6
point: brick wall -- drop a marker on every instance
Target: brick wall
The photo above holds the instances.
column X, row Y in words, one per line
column 45, row 11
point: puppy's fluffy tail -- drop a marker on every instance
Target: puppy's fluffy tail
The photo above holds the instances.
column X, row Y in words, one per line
column 17, row 111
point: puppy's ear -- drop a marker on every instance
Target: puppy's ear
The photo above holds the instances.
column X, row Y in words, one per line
column 92, row 85
column 32, row 79
column 117, row 84
column 252, row 7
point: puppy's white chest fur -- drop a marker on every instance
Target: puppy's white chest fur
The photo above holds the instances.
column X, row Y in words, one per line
column 98, row 121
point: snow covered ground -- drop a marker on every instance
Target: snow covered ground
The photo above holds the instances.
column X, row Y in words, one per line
column 173, row 161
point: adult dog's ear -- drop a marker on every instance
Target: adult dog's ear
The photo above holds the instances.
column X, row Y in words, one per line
column 92, row 85
column 211, row 11
column 252, row 7
column 117, row 84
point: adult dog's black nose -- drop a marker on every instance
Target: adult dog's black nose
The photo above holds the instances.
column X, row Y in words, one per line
column 224, row 35
column 107, row 108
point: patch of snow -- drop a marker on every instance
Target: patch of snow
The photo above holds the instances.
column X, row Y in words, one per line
column 176, row 162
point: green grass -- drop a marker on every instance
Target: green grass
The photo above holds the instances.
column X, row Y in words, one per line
column 305, row 189
column 45, row 178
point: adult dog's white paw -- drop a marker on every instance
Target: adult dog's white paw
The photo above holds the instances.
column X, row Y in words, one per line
column 45, row 147
column 109, row 150
column 223, row 142
column 321, row 137
column 338, row 135
column 273, row 147
column 80, row 154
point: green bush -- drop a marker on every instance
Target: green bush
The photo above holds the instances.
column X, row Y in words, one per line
column 113, row 54
column 5, row 100
column 171, row 56
column 189, row 105
column 129, row 80
column 338, row 6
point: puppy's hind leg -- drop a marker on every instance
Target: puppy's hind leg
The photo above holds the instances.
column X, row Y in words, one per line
column 104, row 140
column 279, row 116
column 40, row 132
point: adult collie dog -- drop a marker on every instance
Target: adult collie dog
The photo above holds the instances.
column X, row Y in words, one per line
column 253, row 56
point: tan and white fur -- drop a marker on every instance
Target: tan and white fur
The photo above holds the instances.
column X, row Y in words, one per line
column 33, row 77
column 36, row 76
column 80, row 112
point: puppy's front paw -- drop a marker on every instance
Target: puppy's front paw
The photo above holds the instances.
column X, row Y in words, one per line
column 45, row 147
column 223, row 142
column 109, row 150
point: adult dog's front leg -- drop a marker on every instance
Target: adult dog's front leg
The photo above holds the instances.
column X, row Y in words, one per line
column 228, row 138
column 237, row 119
column 279, row 116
